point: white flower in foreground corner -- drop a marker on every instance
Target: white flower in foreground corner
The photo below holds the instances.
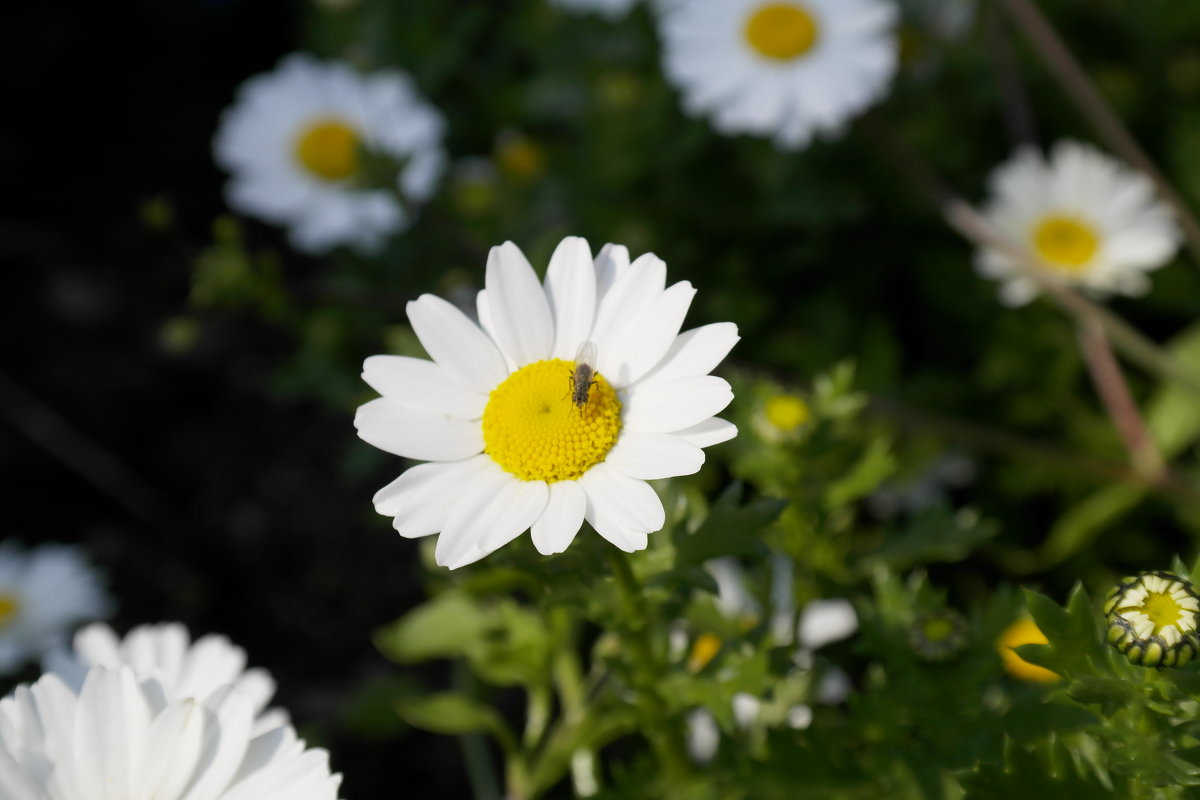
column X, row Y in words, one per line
column 612, row 9
column 119, row 738
column 1087, row 219
column 44, row 593
column 166, row 653
column 787, row 69
column 496, row 415
column 303, row 144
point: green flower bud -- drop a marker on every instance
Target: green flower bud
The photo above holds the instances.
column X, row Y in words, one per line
column 1153, row 619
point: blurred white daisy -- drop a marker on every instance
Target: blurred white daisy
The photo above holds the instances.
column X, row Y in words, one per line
column 612, row 9
column 120, row 737
column 166, row 653
column 788, row 69
column 518, row 434
column 44, row 593
column 824, row 622
column 337, row 157
column 1087, row 220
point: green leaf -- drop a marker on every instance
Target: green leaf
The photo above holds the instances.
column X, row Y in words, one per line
column 451, row 713
column 730, row 528
column 871, row 469
column 936, row 535
column 444, row 627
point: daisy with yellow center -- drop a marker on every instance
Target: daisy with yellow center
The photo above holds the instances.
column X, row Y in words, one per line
column 788, row 69
column 1153, row 619
column 44, row 593
column 1086, row 220
column 517, row 436
column 1023, row 631
column 298, row 141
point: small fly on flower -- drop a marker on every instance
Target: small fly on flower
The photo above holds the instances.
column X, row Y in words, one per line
column 583, row 378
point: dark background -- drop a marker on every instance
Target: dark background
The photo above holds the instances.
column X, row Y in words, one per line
column 220, row 511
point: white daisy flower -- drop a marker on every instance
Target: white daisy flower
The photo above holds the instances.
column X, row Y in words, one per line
column 612, row 9
column 520, row 432
column 1087, row 219
column 788, row 69
column 304, row 144
column 44, row 593
column 121, row 737
column 166, row 653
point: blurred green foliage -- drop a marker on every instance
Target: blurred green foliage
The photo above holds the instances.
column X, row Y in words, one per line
column 858, row 308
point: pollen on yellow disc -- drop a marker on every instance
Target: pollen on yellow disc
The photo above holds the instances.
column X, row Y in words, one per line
column 704, row 650
column 1065, row 243
column 533, row 429
column 328, row 148
column 786, row 412
column 1162, row 609
column 1023, row 631
column 782, row 31
column 9, row 606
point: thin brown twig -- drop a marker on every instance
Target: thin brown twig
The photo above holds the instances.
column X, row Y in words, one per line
column 1082, row 91
column 1118, row 401
column 48, row 429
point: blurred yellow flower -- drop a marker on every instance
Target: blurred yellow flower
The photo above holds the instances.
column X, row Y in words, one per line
column 1023, row 631
column 787, row 412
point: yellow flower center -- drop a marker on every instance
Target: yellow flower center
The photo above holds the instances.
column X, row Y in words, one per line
column 1065, row 243
column 9, row 606
column 534, row 430
column 782, row 31
column 1023, row 631
column 786, row 412
column 704, row 650
column 328, row 148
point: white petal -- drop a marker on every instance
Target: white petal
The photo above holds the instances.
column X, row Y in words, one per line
column 621, row 509
column 524, row 329
column 423, row 435
column 633, row 291
column 697, row 352
column 513, row 511
column 611, row 263
column 176, row 738
column 825, row 621
column 422, row 385
column 650, row 456
column 555, row 529
column 421, row 498
column 457, row 343
column 467, row 523
column 713, row 430
column 225, row 744
column 571, row 290
column 675, row 404
column 645, row 337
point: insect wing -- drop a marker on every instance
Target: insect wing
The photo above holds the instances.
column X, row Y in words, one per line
column 586, row 356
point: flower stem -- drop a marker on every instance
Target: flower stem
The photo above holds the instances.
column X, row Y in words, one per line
column 1118, row 400
column 666, row 744
column 1075, row 82
column 572, row 697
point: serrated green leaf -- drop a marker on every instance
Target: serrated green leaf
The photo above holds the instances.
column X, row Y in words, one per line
column 730, row 528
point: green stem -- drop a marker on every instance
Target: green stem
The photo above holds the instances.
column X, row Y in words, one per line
column 666, row 744
column 572, row 697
